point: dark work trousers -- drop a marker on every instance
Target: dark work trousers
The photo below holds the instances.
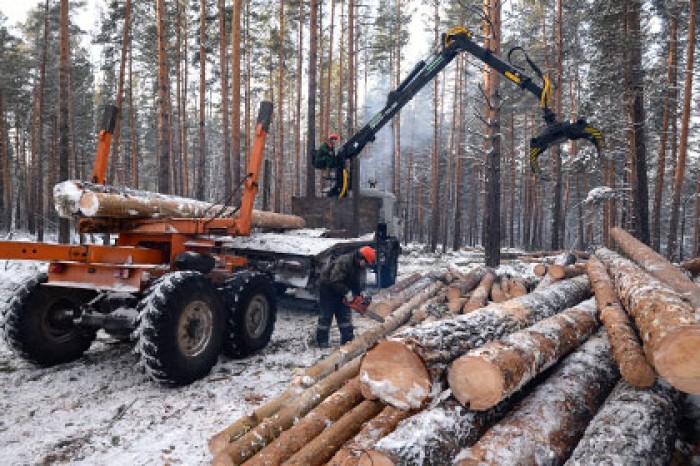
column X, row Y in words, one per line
column 331, row 304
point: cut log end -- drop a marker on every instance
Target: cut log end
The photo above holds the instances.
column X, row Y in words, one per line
column 396, row 375
column 218, row 443
column 475, row 383
column 222, row 459
column 677, row 359
column 374, row 458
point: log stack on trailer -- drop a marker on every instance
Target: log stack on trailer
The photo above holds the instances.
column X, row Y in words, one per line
column 531, row 380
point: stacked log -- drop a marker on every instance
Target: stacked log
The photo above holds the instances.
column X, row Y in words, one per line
column 458, row 291
column 692, row 266
column 624, row 342
column 97, row 201
column 668, row 326
column 561, row 261
column 433, row 436
column 629, row 415
column 546, row 425
column 270, row 428
column 396, row 300
column 656, row 265
column 480, row 296
column 484, row 376
column 373, row 431
column 402, row 371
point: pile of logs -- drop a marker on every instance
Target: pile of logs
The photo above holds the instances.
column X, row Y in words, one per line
column 530, row 379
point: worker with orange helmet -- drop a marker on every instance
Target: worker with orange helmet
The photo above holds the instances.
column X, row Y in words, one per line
column 324, row 158
column 340, row 282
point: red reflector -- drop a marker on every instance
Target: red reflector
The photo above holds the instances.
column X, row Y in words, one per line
column 56, row 268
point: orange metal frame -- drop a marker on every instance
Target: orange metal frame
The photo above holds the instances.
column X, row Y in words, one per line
column 145, row 248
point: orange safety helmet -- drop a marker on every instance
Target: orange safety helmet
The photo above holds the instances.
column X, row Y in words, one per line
column 334, row 136
column 368, row 253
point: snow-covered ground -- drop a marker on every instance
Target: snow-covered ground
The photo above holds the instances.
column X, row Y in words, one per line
column 100, row 410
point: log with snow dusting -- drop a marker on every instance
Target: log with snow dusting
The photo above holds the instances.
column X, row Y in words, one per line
column 435, row 435
column 465, row 284
column 97, row 201
column 373, row 431
column 402, row 371
column 668, row 325
column 545, row 426
column 392, row 302
column 657, row 265
column 634, row 426
column 323, row 368
column 692, row 266
column 310, row 426
column 626, row 348
column 269, row 429
column 484, row 376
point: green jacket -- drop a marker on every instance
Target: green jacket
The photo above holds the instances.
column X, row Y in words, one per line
column 326, row 155
column 343, row 274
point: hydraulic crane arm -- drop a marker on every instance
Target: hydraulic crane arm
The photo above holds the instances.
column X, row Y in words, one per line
column 456, row 41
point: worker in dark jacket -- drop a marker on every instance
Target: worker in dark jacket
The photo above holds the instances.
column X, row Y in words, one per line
column 341, row 279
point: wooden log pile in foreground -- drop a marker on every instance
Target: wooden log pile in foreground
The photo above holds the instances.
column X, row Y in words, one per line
column 530, row 379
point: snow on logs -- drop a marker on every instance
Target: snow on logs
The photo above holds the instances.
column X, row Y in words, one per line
column 624, row 342
column 667, row 324
column 483, row 377
column 545, row 426
column 480, row 296
column 656, row 265
column 98, row 201
column 634, row 426
column 401, row 371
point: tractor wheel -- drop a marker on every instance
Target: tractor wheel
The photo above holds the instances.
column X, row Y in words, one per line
column 182, row 325
column 38, row 323
column 252, row 310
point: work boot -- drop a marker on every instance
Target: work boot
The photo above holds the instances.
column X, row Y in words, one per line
column 322, row 344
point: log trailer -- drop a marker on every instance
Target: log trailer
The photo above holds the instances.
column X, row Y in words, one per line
column 183, row 288
column 458, row 40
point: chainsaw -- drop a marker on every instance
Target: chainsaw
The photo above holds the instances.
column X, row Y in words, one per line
column 361, row 305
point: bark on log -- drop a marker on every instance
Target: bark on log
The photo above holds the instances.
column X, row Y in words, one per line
column 402, row 371
column 373, row 431
column 394, row 301
column 89, row 200
column 309, row 427
column 560, row 272
column 322, row 448
column 480, row 296
column 625, row 344
column 497, row 293
column 435, row 435
column 485, row 376
column 656, row 265
column 517, row 288
column 269, row 429
column 465, row 285
column 544, row 427
column 692, row 266
column 397, row 287
column 668, row 326
column 630, row 414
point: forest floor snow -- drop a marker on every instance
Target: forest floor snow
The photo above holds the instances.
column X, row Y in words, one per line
column 101, row 410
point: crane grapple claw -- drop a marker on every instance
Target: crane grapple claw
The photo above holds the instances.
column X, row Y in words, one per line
column 559, row 132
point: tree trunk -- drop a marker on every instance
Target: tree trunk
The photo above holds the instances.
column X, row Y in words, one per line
column 492, row 169
column 628, row 415
column 657, row 265
column 225, row 140
column 661, row 169
column 280, row 172
column 311, row 101
column 132, row 128
column 269, row 429
column 63, row 114
column 322, row 448
column 310, row 426
column 6, row 201
column 401, row 371
column 549, row 421
column 485, row 376
column 667, row 324
column 625, row 345
column 480, row 296
column 557, row 215
column 297, row 112
column 164, row 116
column 372, row 432
column 236, row 90
column 201, row 159
column 116, row 150
column 435, row 187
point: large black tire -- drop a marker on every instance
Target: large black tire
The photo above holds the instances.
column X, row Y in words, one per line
column 182, row 325
column 252, row 311
column 38, row 323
